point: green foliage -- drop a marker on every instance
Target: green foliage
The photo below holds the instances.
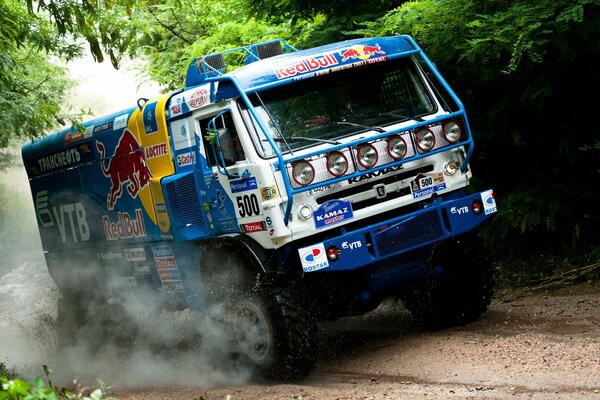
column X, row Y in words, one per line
column 521, row 68
column 13, row 388
column 173, row 33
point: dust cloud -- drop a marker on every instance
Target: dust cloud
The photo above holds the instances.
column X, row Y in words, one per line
column 147, row 345
column 135, row 344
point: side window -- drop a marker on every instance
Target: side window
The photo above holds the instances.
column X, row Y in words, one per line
column 231, row 146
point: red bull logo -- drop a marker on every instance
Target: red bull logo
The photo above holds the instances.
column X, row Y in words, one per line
column 126, row 226
column 361, row 52
column 306, row 65
column 126, row 166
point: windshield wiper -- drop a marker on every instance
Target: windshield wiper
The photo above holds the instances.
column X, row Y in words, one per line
column 373, row 127
column 387, row 114
column 308, row 139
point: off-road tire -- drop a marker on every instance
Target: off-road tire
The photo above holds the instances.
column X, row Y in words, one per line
column 458, row 287
column 279, row 309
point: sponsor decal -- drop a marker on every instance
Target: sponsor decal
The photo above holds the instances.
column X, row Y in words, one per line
column 71, row 137
column 269, row 221
column 141, row 269
column 426, row 184
column 125, row 227
column 459, row 210
column 150, row 124
column 62, row 159
column 176, row 108
column 332, row 212
column 156, row 150
column 183, row 137
column 89, row 131
column 489, row 202
column 167, row 268
column 160, row 208
column 352, row 245
column 104, row 127
column 268, row 193
column 185, row 159
column 198, row 98
column 313, row 258
column 320, row 189
column 135, row 254
column 243, row 185
column 70, row 219
column 111, row 255
column 252, row 227
column 120, row 122
column 360, row 52
column 305, row 65
column 126, row 165
column 228, row 224
column 127, row 281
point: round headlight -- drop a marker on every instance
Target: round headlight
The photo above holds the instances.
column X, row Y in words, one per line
column 303, row 172
column 337, row 163
column 367, row 155
column 305, row 212
column 452, row 132
column 396, row 147
column 425, row 139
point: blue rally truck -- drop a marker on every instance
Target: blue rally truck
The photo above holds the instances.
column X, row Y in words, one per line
column 301, row 187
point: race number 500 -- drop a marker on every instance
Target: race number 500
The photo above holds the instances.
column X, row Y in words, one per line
column 247, row 205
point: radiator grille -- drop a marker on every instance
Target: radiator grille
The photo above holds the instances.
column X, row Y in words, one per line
column 408, row 233
column 187, row 218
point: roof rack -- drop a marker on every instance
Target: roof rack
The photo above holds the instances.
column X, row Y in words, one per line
column 215, row 64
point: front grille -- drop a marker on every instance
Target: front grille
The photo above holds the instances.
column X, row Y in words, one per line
column 407, row 233
column 187, row 217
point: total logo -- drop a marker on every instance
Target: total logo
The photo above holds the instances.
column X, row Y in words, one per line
column 313, row 258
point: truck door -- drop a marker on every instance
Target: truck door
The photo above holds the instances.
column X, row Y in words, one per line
column 217, row 166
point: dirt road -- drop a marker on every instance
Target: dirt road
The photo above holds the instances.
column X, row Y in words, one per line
column 536, row 346
column 540, row 346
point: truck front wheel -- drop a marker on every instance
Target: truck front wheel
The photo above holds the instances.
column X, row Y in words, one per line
column 269, row 328
column 457, row 288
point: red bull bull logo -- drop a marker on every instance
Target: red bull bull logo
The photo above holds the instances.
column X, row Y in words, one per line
column 361, row 52
column 126, row 166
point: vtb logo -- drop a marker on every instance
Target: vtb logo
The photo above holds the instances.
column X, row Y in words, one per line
column 125, row 166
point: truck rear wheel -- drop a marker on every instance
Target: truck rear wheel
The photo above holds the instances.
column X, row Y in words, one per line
column 458, row 288
column 270, row 329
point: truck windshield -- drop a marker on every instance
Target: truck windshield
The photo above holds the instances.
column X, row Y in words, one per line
column 325, row 108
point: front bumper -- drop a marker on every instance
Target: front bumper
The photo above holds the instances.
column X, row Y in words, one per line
column 438, row 221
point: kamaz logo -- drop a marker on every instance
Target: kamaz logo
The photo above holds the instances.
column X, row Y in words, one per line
column 375, row 174
column 332, row 214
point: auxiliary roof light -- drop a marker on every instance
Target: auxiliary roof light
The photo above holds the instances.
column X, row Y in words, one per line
column 303, row 172
column 337, row 163
column 396, row 147
column 452, row 131
column 425, row 139
column 367, row 155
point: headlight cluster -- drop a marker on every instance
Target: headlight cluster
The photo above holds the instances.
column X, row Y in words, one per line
column 375, row 153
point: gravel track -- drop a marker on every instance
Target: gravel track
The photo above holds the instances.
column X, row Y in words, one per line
column 533, row 346
column 540, row 346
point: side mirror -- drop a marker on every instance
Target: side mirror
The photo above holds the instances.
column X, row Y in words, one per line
column 227, row 149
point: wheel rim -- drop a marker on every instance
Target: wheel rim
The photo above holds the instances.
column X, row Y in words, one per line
column 253, row 332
